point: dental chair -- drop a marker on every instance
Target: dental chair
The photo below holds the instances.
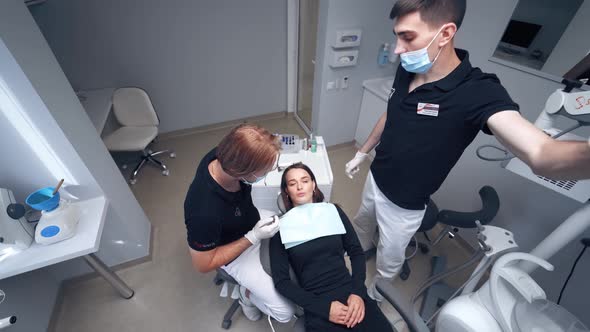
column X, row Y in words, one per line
column 453, row 221
column 437, row 294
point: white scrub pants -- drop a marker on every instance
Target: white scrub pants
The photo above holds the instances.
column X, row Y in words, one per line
column 396, row 225
column 247, row 270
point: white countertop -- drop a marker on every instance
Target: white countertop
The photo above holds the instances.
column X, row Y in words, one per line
column 380, row 87
column 86, row 241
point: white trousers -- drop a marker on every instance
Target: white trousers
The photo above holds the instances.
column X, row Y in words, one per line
column 247, row 270
column 396, row 225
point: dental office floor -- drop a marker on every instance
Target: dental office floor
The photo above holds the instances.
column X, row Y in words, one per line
column 171, row 296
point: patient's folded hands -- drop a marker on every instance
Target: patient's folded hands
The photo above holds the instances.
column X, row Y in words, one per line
column 338, row 312
column 356, row 310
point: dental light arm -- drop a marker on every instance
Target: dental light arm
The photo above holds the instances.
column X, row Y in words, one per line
column 564, row 102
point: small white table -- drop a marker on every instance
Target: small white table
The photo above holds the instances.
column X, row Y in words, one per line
column 265, row 193
column 98, row 104
column 84, row 244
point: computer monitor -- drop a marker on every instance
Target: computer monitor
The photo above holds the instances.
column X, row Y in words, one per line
column 519, row 35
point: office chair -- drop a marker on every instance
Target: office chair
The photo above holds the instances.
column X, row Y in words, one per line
column 139, row 127
column 220, row 278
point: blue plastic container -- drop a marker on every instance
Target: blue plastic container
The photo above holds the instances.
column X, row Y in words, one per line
column 43, row 199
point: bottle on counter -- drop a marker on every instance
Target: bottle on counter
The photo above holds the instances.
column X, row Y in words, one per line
column 383, row 57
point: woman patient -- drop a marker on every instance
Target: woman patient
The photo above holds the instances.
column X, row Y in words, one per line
column 332, row 298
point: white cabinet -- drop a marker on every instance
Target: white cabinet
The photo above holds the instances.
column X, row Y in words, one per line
column 373, row 105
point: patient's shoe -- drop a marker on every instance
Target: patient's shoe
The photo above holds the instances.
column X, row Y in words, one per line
column 248, row 308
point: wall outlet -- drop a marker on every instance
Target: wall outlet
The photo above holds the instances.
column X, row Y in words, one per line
column 344, row 82
column 332, row 85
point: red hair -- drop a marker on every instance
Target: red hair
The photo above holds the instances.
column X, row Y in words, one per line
column 247, row 149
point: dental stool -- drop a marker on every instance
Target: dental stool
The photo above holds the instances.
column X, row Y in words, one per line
column 453, row 221
column 228, row 282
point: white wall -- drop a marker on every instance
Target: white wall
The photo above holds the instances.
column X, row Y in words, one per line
column 40, row 85
column 573, row 45
column 373, row 18
column 202, row 62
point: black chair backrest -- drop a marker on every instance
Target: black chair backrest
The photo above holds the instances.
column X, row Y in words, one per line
column 265, row 260
column 490, row 204
column 430, row 217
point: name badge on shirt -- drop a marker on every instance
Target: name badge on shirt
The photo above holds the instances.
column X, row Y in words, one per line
column 428, row 109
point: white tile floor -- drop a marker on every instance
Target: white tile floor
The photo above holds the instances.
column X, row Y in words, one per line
column 170, row 295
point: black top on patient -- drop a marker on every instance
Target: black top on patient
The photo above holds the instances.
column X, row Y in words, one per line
column 323, row 277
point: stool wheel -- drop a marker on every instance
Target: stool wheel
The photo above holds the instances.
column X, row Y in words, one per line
column 404, row 275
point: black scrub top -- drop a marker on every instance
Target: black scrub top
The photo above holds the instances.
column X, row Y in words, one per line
column 214, row 216
column 428, row 129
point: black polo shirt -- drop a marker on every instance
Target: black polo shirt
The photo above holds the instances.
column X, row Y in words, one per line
column 417, row 151
column 213, row 215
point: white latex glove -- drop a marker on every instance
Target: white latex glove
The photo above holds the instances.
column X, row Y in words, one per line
column 352, row 167
column 264, row 229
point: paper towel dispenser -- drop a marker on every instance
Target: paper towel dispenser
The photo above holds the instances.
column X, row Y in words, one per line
column 343, row 58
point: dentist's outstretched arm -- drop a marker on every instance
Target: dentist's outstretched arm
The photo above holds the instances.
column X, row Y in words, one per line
column 545, row 156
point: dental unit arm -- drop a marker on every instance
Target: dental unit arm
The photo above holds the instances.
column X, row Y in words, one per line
column 564, row 102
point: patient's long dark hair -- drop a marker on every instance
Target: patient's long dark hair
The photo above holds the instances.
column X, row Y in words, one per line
column 317, row 197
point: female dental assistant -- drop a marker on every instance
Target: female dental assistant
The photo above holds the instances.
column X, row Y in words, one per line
column 223, row 225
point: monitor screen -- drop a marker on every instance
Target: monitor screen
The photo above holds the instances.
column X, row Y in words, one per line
column 520, row 33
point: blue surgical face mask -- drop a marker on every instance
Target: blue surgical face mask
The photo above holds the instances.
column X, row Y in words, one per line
column 258, row 179
column 418, row 61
